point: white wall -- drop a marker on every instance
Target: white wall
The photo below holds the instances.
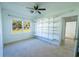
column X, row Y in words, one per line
column 1, row 43
column 75, row 12
column 8, row 36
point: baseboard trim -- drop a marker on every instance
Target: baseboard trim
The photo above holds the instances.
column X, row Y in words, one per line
column 5, row 44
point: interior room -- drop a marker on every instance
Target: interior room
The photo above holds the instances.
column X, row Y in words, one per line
column 39, row 29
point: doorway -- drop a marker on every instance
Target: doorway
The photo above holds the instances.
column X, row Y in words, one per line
column 70, row 34
column 69, row 30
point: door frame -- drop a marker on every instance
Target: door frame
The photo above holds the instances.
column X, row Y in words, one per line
column 64, row 29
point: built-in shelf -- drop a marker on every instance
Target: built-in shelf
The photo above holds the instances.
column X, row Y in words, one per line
column 50, row 30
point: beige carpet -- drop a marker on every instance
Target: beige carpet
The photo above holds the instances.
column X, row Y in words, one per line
column 36, row 48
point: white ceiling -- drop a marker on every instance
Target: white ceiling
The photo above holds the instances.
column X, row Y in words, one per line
column 52, row 8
